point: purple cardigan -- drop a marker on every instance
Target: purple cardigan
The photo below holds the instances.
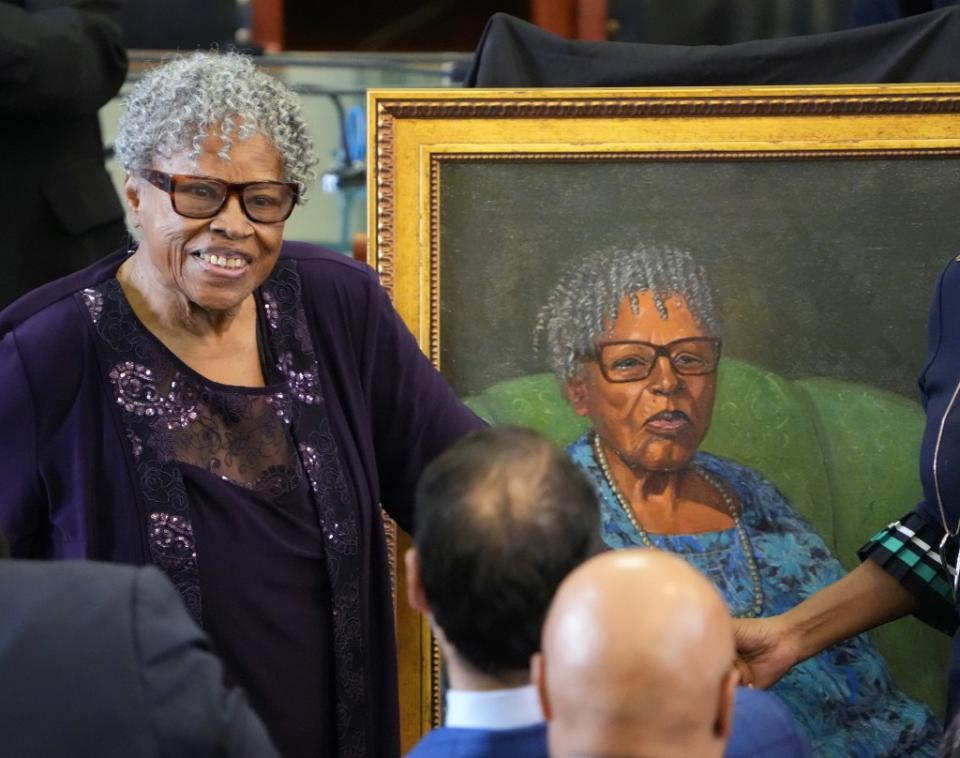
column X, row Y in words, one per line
column 70, row 486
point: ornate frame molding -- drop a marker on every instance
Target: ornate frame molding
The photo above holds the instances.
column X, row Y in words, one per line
column 390, row 106
column 639, row 107
column 414, row 134
column 381, row 230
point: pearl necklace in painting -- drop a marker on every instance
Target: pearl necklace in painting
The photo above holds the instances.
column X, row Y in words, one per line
column 728, row 500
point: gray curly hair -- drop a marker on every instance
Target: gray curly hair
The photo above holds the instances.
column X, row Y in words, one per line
column 586, row 298
column 181, row 103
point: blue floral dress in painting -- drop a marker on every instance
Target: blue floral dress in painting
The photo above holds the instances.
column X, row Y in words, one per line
column 844, row 697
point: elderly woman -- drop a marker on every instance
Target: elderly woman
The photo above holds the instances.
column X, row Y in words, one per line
column 231, row 408
column 634, row 338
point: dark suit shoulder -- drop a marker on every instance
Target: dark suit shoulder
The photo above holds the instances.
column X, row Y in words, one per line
column 69, row 649
column 456, row 742
column 91, row 579
column 111, row 655
column 96, row 596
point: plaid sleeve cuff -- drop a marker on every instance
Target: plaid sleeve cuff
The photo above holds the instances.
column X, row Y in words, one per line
column 907, row 550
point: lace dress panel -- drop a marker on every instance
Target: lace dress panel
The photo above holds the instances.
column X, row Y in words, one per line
column 240, row 438
column 238, row 434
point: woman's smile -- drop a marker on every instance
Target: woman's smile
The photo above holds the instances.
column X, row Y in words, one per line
column 222, row 261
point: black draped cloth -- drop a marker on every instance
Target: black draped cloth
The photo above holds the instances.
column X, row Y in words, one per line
column 922, row 48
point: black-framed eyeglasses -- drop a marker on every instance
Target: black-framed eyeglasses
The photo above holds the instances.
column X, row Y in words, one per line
column 631, row 361
column 204, row 197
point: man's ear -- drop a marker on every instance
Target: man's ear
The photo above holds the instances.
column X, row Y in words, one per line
column 723, row 724
column 577, row 395
column 416, row 597
column 131, row 193
column 538, row 674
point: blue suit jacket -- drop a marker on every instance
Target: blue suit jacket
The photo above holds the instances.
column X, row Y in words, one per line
column 526, row 742
column 764, row 728
column 99, row 660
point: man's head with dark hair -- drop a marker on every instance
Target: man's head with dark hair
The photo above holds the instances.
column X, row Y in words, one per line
column 502, row 517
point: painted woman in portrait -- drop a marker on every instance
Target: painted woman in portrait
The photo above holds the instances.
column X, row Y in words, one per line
column 634, row 338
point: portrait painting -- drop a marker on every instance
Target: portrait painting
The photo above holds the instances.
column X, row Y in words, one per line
column 821, row 218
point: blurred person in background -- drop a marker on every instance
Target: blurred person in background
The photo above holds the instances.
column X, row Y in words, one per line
column 60, row 62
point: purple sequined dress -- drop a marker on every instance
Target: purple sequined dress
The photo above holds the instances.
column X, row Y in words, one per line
column 259, row 503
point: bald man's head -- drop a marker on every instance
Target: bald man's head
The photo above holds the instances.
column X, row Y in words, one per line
column 637, row 660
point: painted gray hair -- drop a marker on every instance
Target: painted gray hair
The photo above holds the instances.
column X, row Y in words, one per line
column 587, row 297
column 179, row 104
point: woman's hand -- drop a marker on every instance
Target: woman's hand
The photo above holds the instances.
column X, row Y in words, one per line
column 863, row 599
column 765, row 650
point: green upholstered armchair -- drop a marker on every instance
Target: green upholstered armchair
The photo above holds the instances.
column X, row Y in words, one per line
column 844, row 454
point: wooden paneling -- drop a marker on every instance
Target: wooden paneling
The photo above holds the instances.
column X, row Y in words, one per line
column 268, row 24
column 573, row 19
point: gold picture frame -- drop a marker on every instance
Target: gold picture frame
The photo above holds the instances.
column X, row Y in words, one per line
column 420, row 138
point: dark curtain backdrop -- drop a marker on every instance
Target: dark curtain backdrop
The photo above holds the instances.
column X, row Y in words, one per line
column 921, row 48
